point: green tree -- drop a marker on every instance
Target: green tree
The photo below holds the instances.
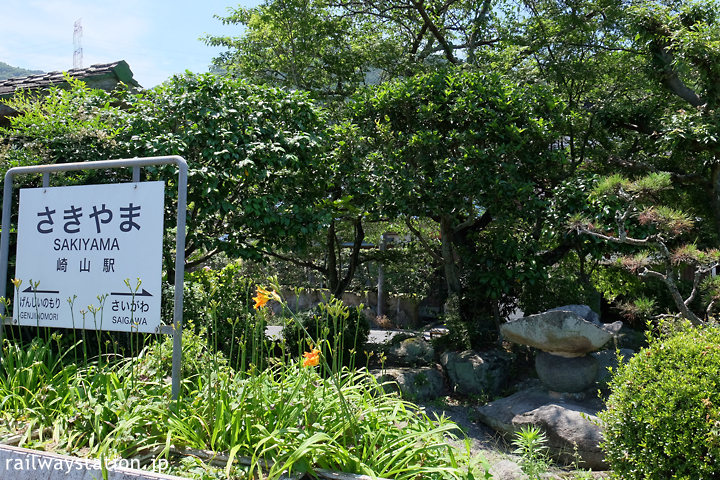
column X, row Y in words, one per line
column 657, row 235
column 475, row 154
column 264, row 178
column 255, row 170
column 638, row 82
column 71, row 125
column 303, row 44
column 434, row 32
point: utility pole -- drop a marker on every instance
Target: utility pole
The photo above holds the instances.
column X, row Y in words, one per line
column 77, row 44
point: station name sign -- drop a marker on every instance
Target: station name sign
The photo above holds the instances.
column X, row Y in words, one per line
column 84, row 242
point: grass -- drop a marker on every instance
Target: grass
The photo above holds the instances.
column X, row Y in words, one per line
column 259, row 415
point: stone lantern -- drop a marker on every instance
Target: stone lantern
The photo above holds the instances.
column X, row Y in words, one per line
column 565, row 336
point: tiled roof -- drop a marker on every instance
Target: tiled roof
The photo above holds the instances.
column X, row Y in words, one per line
column 120, row 70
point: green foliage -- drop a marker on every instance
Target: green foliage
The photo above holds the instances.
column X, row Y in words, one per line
column 458, row 138
column 650, row 184
column 460, row 334
column 649, row 237
column 256, row 174
column 638, row 311
column 564, row 283
column 690, row 254
column 466, row 149
column 346, row 330
column 609, row 185
column 34, row 380
column 64, row 125
column 219, row 307
column 663, row 415
column 531, row 444
column 254, row 160
column 284, row 418
column 302, row 44
column 220, row 301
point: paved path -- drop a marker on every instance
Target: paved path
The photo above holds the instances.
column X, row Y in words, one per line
column 375, row 336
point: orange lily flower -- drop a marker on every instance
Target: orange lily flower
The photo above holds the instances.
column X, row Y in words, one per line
column 263, row 296
column 312, row 359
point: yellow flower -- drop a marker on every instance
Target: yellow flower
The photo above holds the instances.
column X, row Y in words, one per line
column 263, row 296
column 17, row 282
column 312, row 359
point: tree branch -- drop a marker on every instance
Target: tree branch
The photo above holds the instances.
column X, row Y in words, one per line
column 195, row 263
column 423, row 241
column 672, row 81
column 295, row 261
column 435, row 31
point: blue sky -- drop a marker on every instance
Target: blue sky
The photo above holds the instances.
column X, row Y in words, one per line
column 156, row 37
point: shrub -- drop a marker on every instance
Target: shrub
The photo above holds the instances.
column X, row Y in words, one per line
column 663, row 415
column 562, row 284
column 345, row 329
column 219, row 301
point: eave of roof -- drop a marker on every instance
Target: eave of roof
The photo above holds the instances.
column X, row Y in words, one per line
column 120, row 70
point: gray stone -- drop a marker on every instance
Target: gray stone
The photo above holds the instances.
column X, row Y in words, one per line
column 507, row 470
column 572, row 427
column 473, row 373
column 426, row 383
column 581, row 310
column 412, row 351
column 573, row 433
column 612, row 328
column 562, row 374
column 558, row 332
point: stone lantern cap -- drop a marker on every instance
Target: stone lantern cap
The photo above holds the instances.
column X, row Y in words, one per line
column 560, row 332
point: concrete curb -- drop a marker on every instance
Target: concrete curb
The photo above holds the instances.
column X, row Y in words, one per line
column 25, row 464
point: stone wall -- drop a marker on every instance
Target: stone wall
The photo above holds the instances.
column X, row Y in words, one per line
column 401, row 311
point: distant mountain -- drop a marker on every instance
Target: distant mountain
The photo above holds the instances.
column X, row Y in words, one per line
column 6, row 71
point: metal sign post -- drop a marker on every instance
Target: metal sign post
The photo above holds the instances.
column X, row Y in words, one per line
column 50, row 222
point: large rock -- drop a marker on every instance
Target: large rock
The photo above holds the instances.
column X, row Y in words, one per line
column 474, row 373
column 581, row 310
column 409, row 352
column 572, row 427
column 425, row 383
column 562, row 374
column 559, row 332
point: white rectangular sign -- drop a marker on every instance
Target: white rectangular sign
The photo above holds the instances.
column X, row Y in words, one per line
column 85, row 241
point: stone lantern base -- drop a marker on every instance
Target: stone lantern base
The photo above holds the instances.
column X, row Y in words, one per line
column 561, row 374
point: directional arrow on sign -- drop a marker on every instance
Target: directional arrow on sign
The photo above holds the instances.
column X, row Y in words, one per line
column 144, row 293
column 30, row 290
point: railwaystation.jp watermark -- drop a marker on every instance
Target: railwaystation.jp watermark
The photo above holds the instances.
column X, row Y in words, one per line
column 33, row 462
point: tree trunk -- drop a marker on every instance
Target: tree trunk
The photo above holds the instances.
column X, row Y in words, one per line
column 448, row 256
column 715, row 199
column 353, row 261
column 332, row 273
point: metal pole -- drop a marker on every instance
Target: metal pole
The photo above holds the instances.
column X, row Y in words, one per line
column 381, row 278
column 135, row 163
column 5, row 246
column 179, row 279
